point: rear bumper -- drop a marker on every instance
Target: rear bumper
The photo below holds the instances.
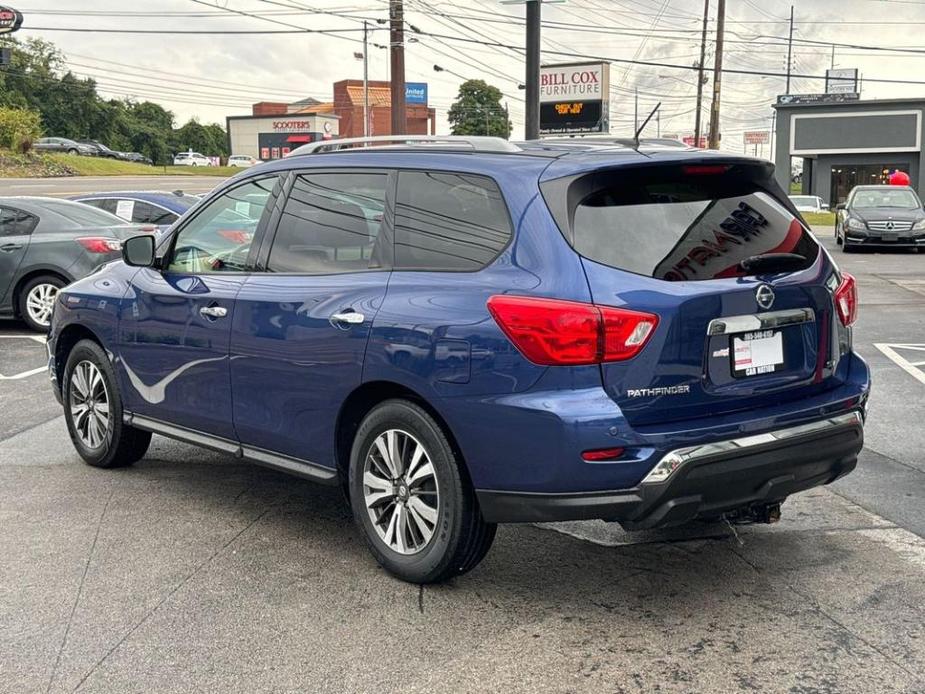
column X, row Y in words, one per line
column 703, row 480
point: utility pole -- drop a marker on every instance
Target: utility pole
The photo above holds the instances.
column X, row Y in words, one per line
column 832, row 66
column 703, row 57
column 717, row 74
column 789, row 51
column 397, row 61
column 658, row 122
column 532, row 78
column 365, row 83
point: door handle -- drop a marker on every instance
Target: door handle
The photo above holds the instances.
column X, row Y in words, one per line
column 213, row 311
column 349, row 317
column 10, row 247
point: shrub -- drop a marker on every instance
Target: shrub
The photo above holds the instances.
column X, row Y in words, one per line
column 19, row 128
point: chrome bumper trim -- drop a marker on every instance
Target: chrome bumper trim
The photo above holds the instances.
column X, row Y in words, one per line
column 673, row 461
column 760, row 321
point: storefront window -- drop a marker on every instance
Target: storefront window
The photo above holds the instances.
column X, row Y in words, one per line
column 847, row 176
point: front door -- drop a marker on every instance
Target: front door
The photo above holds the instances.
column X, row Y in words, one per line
column 176, row 319
column 302, row 324
column 15, row 231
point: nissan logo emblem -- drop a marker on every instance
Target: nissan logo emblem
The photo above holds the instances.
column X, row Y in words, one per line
column 764, row 295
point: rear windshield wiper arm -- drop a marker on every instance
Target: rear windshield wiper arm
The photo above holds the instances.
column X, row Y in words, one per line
column 774, row 262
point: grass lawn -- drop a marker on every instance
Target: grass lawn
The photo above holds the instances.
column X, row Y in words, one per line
column 37, row 165
column 819, row 219
column 96, row 166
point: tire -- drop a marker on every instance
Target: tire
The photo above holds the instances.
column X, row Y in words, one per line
column 37, row 299
column 847, row 247
column 458, row 539
column 838, row 241
column 88, row 383
column 72, row 151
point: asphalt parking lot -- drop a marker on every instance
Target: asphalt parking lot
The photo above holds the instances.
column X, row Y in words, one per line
column 193, row 572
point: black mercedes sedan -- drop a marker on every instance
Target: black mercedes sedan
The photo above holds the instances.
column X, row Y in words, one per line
column 888, row 216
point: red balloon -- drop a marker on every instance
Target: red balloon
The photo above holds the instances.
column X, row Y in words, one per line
column 899, row 178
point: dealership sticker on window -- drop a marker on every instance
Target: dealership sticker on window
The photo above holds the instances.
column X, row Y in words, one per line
column 755, row 353
column 124, row 209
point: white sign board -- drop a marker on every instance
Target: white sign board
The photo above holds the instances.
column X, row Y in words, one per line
column 841, row 81
column 574, row 82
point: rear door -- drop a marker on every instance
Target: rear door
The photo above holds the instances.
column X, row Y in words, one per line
column 671, row 240
column 16, row 228
column 302, row 324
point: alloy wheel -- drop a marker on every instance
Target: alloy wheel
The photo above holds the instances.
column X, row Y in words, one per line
column 400, row 491
column 89, row 403
column 40, row 302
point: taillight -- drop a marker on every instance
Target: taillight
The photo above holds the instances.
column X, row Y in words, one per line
column 846, row 299
column 705, row 169
column 99, row 244
column 553, row 332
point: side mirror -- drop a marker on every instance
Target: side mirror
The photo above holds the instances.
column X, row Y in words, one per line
column 138, row 251
column 841, row 206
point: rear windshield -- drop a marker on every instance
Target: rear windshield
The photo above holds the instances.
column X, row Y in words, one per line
column 684, row 227
column 803, row 200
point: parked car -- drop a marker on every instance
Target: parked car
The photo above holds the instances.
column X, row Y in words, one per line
column 880, row 216
column 46, row 243
column 62, row 144
column 479, row 332
column 809, row 203
column 101, row 150
column 138, row 157
column 142, row 207
column 191, row 159
column 243, row 161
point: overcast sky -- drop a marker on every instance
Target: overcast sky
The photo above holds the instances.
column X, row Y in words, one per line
column 211, row 76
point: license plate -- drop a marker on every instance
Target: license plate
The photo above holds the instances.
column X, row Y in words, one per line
column 756, row 353
column 889, row 237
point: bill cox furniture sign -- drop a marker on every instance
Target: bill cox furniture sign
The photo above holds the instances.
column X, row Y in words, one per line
column 574, row 98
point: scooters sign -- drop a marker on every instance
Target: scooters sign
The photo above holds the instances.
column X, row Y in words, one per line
column 10, row 20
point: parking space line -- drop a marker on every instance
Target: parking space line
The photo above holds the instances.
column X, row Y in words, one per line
column 37, row 338
column 24, row 374
column 889, row 350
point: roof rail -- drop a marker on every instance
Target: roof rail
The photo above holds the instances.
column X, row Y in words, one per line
column 475, row 143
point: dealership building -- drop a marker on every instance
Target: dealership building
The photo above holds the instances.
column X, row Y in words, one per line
column 845, row 142
column 273, row 129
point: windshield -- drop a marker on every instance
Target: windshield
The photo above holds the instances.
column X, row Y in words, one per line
column 82, row 215
column 900, row 198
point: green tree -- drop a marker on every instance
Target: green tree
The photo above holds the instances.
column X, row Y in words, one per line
column 19, row 127
column 478, row 111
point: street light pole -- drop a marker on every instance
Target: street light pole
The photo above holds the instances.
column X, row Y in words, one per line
column 532, row 81
column 365, row 83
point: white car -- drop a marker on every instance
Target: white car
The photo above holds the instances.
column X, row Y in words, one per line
column 191, row 159
column 242, row 161
column 809, row 203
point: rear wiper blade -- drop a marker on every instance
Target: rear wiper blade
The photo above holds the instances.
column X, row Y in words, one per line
column 774, row 262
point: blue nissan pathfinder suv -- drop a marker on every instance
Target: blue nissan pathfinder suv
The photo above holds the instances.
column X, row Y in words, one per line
column 464, row 332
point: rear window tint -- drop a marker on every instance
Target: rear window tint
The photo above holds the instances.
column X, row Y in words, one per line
column 684, row 230
column 446, row 221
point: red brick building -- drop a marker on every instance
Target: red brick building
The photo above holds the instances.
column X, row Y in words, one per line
column 348, row 105
column 275, row 128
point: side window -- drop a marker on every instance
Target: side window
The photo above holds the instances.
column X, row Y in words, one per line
column 448, row 221
column 218, row 238
column 146, row 213
column 330, row 224
column 107, row 204
column 16, row 222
